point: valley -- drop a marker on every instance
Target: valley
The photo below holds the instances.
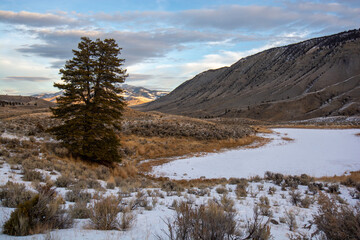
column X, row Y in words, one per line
column 169, row 160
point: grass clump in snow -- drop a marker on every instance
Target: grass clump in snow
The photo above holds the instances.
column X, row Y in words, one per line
column 104, row 214
column 41, row 213
column 213, row 221
column 79, row 210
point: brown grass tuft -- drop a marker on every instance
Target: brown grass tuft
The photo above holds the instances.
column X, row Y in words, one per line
column 353, row 177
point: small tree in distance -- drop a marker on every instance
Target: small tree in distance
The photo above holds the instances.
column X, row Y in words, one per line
column 91, row 107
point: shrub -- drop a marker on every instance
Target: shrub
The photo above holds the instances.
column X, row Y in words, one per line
column 335, row 221
column 271, row 190
column 139, row 201
column 102, row 172
column 241, row 189
column 77, row 195
column 127, row 218
column 221, row 190
column 290, row 219
column 264, row 206
column 305, row 202
column 227, row 204
column 206, row 221
column 12, row 194
column 295, row 197
column 31, row 175
column 277, row 178
column 40, row 213
column 305, row 179
column 64, row 181
column 334, row 188
column 110, row 185
column 94, row 184
column 292, row 182
column 256, row 228
column 315, row 187
column 170, row 186
column 79, row 210
column 103, row 214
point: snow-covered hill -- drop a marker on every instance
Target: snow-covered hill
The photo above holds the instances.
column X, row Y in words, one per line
column 133, row 95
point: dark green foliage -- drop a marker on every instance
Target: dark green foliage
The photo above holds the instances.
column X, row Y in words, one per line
column 91, row 106
column 40, row 213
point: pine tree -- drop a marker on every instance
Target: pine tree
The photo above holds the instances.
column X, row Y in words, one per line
column 91, row 107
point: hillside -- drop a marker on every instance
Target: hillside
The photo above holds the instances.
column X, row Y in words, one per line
column 315, row 78
column 18, row 101
column 133, row 95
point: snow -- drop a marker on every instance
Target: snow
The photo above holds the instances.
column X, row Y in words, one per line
column 312, row 151
column 316, row 152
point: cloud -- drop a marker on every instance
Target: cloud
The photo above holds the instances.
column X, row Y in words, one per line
column 137, row 46
column 237, row 17
column 134, row 77
column 38, row 19
column 26, row 78
column 9, row 91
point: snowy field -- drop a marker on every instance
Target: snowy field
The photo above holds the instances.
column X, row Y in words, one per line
column 316, row 152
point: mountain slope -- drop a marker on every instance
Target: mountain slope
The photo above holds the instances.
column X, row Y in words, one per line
column 133, row 95
column 314, row 78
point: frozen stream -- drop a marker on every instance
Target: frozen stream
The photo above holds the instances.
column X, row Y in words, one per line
column 316, row 152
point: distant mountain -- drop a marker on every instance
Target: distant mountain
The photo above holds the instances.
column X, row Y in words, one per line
column 133, row 95
column 12, row 100
column 315, row 78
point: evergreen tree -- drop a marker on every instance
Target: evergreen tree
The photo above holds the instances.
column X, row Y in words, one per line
column 91, row 107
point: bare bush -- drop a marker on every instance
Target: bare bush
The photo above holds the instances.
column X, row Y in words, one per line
column 40, row 213
column 79, row 210
column 204, row 222
column 295, row 197
column 104, row 214
column 64, row 181
column 256, row 228
column 171, row 186
column 221, row 190
column 335, row 221
column 211, row 221
column 32, row 175
column 264, row 206
column 77, row 195
column 241, row 190
column 12, row 194
column 272, row 190
column 305, row 202
column 334, row 188
column 127, row 219
column 315, row 187
column 290, row 218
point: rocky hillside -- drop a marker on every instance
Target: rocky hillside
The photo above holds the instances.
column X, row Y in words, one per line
column 315, row 78
column 133, row 95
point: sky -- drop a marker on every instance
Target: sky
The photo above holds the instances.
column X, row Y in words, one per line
column 164, row 42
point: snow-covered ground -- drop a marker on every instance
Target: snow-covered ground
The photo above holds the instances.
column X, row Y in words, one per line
column 316, row 152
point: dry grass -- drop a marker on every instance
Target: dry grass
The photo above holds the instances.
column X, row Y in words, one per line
column 287, row 139
column 262, row 129
column 315, row 126
column 353, row 177
column 357, row 134
column 162, row 149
